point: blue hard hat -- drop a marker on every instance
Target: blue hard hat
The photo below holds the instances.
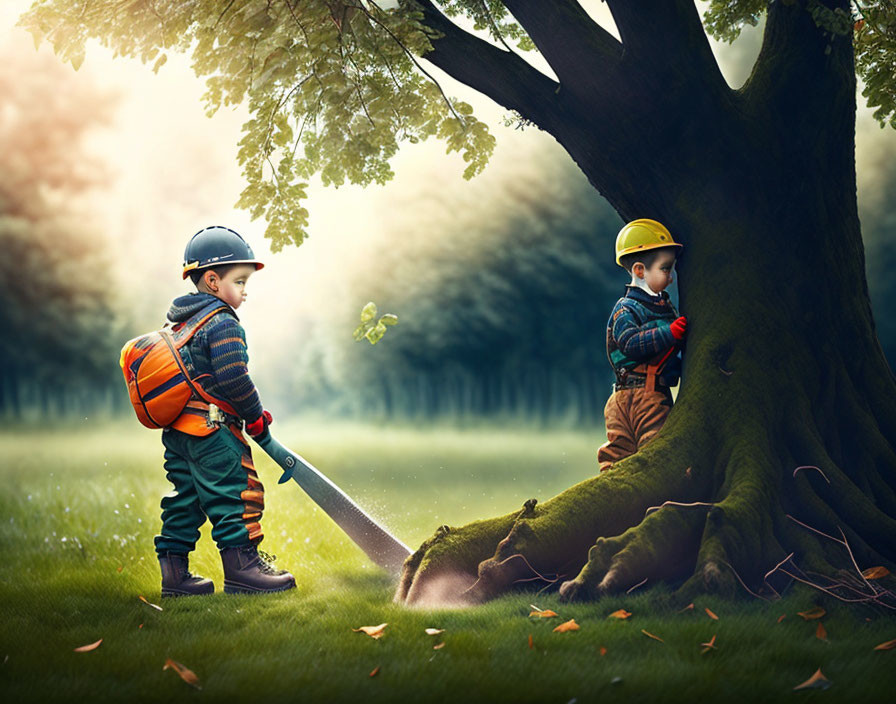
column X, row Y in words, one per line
column 214, row 246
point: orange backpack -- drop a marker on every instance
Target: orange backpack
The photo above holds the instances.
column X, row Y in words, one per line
column 158, row 382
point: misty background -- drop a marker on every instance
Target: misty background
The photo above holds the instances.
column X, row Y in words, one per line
column 502, row 284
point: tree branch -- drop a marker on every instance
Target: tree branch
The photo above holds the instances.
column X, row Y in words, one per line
column 501, row 75
column 413, row 59
column 666, row 37
column 604, row 116
column 575, row 46
column 804, row 71
column 793, row 41
column 627, row 120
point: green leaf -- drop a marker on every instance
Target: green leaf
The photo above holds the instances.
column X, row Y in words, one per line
column 159, row 63
column 375, row 334
column 368, row 312
column 389, row 319
column 77, row 59
column 361, row 331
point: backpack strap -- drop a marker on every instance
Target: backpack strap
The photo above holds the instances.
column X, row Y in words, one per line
column 184, row 333
column 175, row 339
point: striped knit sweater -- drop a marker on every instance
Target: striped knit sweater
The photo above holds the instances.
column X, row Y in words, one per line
column 218, row 349
column 639, row 330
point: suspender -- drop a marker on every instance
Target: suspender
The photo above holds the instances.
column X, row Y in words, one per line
column 180, row 334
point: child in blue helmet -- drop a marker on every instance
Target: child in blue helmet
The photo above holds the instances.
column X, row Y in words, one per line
column 207, row 458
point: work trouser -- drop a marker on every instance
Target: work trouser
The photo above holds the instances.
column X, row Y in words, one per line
column 633, row 417
column 214, row 477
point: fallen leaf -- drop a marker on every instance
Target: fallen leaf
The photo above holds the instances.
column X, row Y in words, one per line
column 140, row 626
column 439, row 646
column 603, row 651
column 374, row 671
column 185, row 673
column 650, row 635
column 148, row 603
column 544, row 614
column 433, row 631
column 711, row 614
column 372, row 631
column 531, row 642
column 689, row 607
column 820, row 632
column 875, row 572
column 817, row 612
column 781, row 618
column 858, row 25
column 120, row 568
column 88, row 648
column 570, row 625
column 889, row 645
column 621, row 614
column 816, row 681
column 709, row 645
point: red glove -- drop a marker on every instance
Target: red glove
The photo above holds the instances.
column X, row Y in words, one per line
column 678, row 327
column 260, row 424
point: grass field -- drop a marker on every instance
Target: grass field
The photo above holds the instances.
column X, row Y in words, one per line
column 80, row 509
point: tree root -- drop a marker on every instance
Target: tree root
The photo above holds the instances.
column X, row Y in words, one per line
column 662, row 546
column 795, row 497
column 839, row 501
column 849, row 586
column 445, row 565
column 474, row 563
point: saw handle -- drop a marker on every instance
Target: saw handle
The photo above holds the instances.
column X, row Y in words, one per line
column 283, row 457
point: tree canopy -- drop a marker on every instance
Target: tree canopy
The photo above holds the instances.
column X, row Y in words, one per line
column 344, row 80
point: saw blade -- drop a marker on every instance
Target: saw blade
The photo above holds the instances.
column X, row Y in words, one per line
column 380, row 546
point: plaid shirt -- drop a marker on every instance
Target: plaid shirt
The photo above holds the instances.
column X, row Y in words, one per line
column 218, row 349
column 639, row 331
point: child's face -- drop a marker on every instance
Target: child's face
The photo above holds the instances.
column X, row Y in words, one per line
column 230, row 288
column 660, row 275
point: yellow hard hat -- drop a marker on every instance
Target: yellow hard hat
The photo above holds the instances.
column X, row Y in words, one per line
column 640, row 235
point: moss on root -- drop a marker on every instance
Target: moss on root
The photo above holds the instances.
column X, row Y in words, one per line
column 446, row 564
column 664, row 542
column 554, row 537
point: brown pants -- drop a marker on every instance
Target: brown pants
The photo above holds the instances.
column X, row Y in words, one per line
column 633, row 418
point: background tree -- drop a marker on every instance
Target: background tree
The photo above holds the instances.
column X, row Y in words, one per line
column 783, row 368
column 878, row 218
column 503, row 305
column 58, row 318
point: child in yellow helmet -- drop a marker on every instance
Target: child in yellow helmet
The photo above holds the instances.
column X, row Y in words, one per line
column 644, row 334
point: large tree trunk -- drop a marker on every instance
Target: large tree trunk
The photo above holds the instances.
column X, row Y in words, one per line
column 782, row 443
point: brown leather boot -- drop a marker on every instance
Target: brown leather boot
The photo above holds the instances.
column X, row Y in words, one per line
column 246, row 572
column 177, row 580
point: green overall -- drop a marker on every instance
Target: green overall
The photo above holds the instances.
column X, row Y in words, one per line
column 214, row 477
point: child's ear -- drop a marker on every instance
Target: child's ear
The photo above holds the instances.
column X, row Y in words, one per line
column 210, row 278
column 638, row 269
